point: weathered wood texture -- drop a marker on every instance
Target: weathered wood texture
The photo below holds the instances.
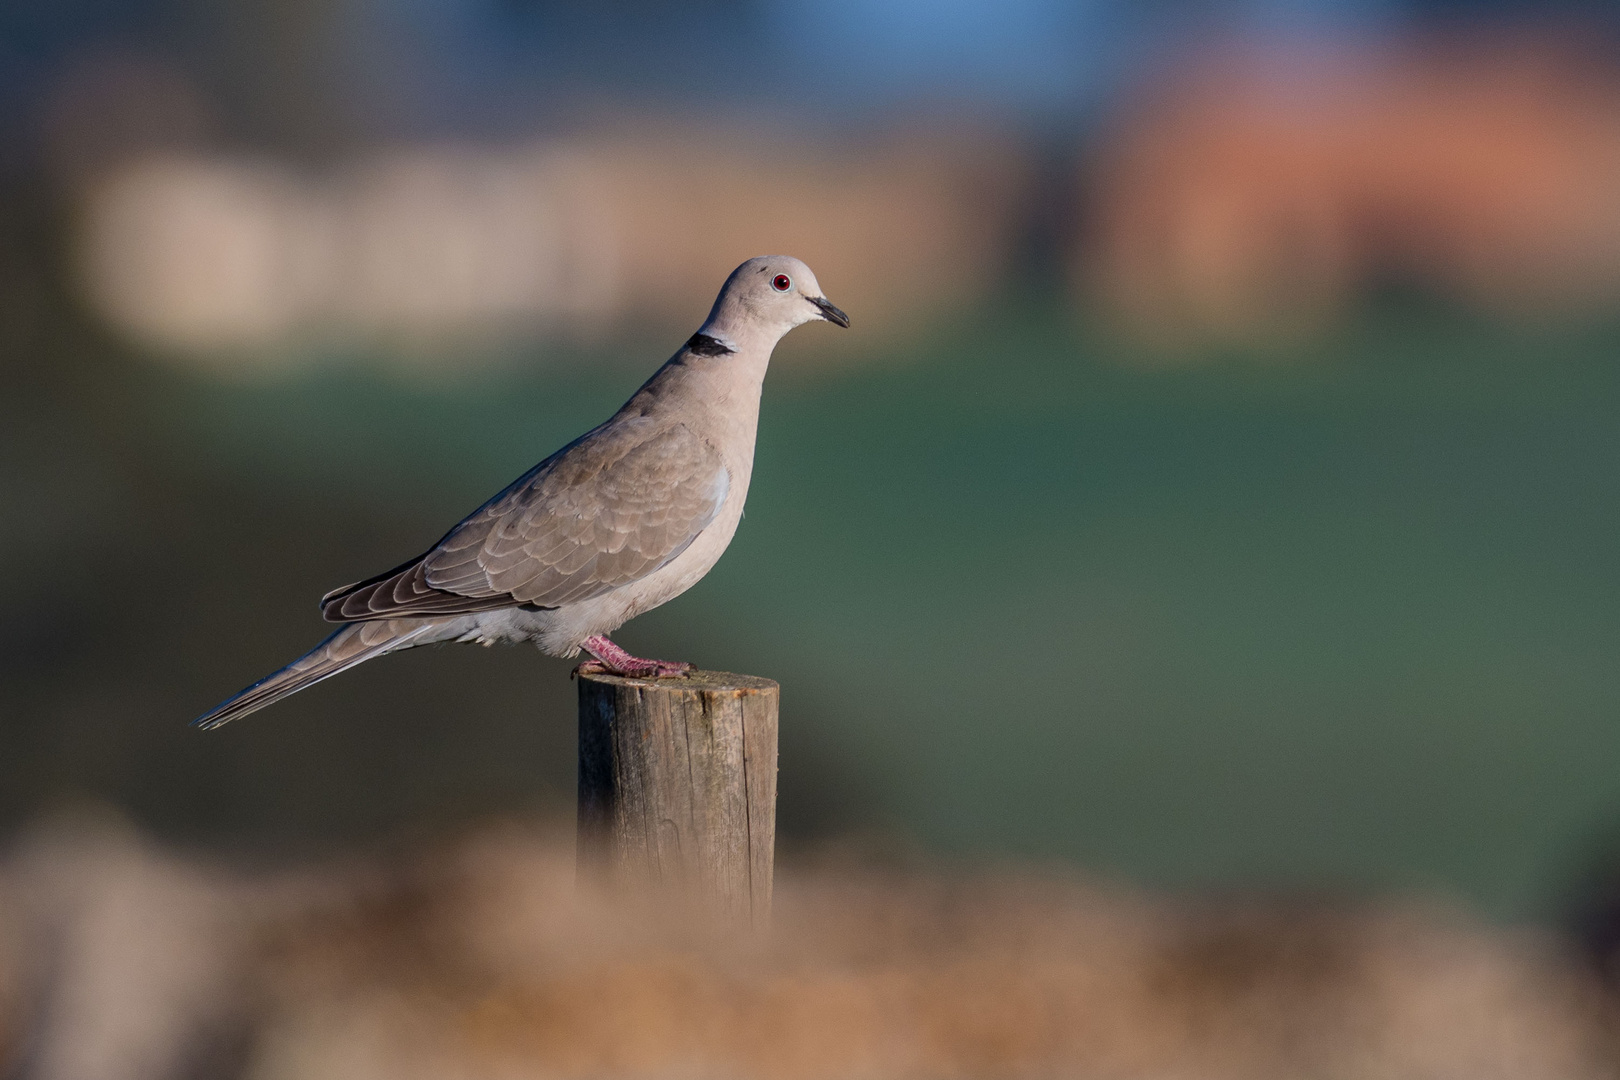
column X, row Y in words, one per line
column 677, row 786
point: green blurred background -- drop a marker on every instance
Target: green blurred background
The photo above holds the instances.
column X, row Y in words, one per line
column 1344, row 622
column 1333, row 610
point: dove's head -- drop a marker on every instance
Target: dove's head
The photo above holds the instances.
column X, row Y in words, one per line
column 771, row 294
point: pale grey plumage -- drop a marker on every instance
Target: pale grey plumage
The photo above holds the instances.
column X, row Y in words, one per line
column 597, row 515
column 621, row 520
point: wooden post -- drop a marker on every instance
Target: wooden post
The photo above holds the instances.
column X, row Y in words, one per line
column 677, row 786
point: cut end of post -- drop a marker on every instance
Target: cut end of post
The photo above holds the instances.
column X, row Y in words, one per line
column 677, row 787
column 708, row 681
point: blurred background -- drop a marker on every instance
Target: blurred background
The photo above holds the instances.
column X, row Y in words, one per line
column 1219, row 488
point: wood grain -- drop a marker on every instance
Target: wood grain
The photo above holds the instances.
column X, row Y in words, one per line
column 677, row 786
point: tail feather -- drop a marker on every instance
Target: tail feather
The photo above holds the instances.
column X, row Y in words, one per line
column 352, row 644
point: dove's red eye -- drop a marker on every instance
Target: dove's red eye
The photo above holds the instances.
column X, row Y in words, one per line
column 781, row 283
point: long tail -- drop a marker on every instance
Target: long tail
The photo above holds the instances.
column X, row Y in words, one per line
column 351, row 645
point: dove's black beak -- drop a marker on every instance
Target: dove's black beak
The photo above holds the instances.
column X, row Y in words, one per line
column 830, row 313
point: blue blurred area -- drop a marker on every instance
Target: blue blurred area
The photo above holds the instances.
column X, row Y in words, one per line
column 392, row 67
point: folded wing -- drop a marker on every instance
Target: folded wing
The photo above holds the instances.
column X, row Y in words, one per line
column 599, row 514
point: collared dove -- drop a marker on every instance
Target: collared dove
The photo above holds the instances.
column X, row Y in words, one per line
column 622, row 519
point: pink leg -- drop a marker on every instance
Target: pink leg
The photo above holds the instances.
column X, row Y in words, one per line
column 615, row 661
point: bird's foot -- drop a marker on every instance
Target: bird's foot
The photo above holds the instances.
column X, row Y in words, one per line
column 612, row 660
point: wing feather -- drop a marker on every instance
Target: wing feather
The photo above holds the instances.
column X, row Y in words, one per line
column 604, row 512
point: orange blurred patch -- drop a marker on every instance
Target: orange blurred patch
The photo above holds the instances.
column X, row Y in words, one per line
column 1236, row 207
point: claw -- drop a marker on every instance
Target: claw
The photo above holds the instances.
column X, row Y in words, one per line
column 589, row 667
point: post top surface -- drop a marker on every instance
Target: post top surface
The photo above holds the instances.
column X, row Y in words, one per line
column 709, row 681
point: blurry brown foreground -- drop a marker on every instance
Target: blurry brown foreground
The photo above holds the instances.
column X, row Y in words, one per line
column 478, row 958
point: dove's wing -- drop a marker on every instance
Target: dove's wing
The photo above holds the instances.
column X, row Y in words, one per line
column 608, row 510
